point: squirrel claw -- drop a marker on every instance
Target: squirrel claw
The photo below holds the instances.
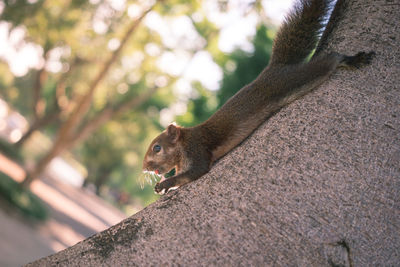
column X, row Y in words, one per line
column 162, row 188
column 158, row 189
column 162, row 192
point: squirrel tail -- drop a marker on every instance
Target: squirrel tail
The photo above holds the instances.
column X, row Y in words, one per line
column 299, row 34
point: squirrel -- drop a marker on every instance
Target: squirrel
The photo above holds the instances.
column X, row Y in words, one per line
column 288, row 76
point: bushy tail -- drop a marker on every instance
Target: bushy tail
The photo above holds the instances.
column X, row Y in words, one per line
column 299, row 34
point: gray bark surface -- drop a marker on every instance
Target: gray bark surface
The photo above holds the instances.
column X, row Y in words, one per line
column 318, row 184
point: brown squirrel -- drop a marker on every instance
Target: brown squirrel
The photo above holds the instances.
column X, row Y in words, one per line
column 192, row 151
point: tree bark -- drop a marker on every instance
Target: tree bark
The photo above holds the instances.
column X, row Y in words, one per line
column 316, row 185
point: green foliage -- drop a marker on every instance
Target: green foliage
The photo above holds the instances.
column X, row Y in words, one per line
column 178, row 7
column 48, row 17
column 16, row 95
column 17, row 11
column 22, row 199
column 199, row 108
column 241, row 68
column 9, row 150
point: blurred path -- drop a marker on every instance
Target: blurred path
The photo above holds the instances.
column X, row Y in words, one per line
column 74, row 215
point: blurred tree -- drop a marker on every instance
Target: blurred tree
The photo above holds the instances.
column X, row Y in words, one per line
column 60, row 38
column 67, row 134
column 62, row 102
column 77, row 98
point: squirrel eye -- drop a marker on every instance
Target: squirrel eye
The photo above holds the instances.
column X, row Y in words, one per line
column 157, row 148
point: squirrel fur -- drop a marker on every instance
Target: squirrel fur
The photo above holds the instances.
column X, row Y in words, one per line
column 288, row 76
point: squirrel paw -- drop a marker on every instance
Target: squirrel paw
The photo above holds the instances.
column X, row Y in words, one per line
column 358, row 60
column 164, row 187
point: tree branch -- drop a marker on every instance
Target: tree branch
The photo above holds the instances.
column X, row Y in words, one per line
column 107, row 114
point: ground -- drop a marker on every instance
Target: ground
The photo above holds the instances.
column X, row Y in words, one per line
column 74, row 215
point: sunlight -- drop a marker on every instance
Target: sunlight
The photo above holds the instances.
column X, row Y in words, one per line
column 100, row 18
column 236, row 25
column 19, row 54
column 176, row 33
column 28, row 56
column 15, row 135
column 200, row 67
column 237, row 34
column 118, row 5
column 203, row 68
column 167, row 115
column 53, row 63
column 182, row 89
column 276, row 9
column 152, row 49
column 63, row 171
column 134, row 11
column 132, row 61
column 161, row 81
column 113, row 44
column 174, row 62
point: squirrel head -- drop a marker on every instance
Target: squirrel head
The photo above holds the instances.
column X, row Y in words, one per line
column 163, row 153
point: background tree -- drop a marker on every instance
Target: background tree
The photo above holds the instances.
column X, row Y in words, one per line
column 75, row 93
column 66, row 135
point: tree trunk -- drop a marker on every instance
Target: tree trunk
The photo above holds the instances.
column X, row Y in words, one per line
column 43, row 162
column 316, row 185
column 54, row 113
column 37, row 101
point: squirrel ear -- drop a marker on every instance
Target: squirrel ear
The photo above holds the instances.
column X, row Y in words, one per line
column 173, row 132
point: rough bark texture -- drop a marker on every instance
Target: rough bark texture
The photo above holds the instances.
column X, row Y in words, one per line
column 318, row 184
